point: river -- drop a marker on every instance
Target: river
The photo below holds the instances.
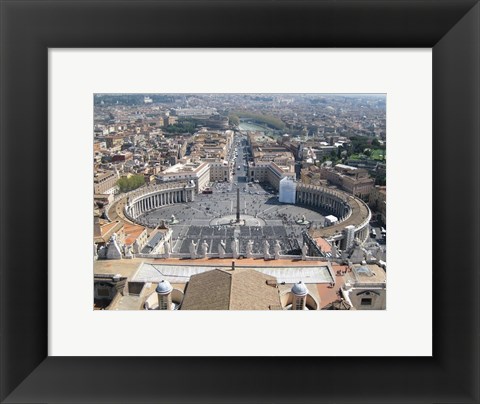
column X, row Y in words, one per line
column 255, row 127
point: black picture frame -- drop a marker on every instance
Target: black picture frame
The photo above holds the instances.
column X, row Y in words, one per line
column 29, row 28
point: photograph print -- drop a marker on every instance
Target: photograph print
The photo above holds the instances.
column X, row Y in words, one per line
column 239, row 201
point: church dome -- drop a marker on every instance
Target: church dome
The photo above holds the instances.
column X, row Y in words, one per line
column 299, row 289
column 164, row 287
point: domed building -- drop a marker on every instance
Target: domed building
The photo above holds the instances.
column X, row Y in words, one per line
column 299, row 298
column 165, row 297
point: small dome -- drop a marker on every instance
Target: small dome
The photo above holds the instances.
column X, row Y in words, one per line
column 164, row 287
column 299, row 289
column 363, row 270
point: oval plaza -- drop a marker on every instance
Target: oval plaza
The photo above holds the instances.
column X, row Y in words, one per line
column 296, row 216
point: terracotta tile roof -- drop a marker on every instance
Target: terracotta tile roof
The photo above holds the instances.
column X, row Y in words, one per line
column 132, row 232
column 241, row 289
column 107, row 228
column 106, row 231
column 327, row 294
column 323, row 244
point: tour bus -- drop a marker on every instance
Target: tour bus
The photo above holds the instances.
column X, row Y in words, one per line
column 207, row 191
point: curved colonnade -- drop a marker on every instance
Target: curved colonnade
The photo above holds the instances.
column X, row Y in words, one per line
column 150, row 198
column 348, row 209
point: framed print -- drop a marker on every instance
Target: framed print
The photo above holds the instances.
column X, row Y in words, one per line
column 152, row 362
column 377, row 71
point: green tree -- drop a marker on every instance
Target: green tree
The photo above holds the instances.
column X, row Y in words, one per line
column 126, row 184
column 381, row 179
column 234, row 120
column 184, row 126
column 375, row 143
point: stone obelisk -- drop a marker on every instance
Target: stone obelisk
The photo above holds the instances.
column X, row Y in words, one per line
column 238, row 205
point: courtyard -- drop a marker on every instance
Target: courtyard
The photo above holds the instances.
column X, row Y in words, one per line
column 212, row 217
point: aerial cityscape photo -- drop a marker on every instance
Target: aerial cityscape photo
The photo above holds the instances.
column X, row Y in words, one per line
column 239, row 201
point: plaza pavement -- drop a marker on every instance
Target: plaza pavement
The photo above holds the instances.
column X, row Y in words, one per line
column 208, row 218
